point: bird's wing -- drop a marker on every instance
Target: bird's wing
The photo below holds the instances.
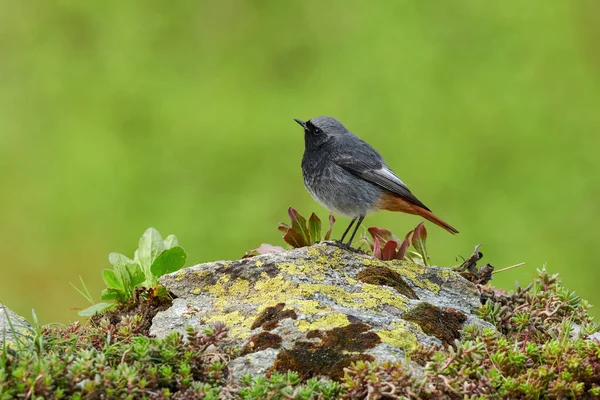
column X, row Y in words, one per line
column 371, row 168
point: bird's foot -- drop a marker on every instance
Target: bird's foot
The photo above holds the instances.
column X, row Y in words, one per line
column 345, row 246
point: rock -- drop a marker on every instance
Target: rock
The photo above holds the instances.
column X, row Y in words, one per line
column 14, row 329
column 318, row 309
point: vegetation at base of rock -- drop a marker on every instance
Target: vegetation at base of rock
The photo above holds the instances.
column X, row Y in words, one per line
column 379, row 275
column 536, row 353
column 539, row 349
column 154, row 258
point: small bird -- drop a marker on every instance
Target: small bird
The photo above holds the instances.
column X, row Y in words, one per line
column 347, row 176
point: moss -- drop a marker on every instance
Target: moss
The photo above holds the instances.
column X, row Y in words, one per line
column 398, row 336
column 384, row 276
column 337, row 349
column 268, row 319
column 445, row 324
column 261, row 341
column 409, row 270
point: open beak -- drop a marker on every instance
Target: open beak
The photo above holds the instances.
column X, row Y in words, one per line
column 302, row 123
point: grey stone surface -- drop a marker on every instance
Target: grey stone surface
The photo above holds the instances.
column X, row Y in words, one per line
column 14, row 329
column 317, row 289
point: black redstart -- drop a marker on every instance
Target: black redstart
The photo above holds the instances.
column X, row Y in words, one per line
column 348, row 177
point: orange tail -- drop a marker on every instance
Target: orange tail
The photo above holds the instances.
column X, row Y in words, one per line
column 393, row 202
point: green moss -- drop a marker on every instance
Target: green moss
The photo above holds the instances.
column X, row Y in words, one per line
column 444, row 324
column 384, row 276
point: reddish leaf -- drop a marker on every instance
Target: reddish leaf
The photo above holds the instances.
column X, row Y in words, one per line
column 314, row 228
column 299, row 225
column 382, row 234
column 389, row 250
column 419, row 241
column 376, row 248
column 294, row 239
column 404, row 246
column 331, row 222
column 283, row 227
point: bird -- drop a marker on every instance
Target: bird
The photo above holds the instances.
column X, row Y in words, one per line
column 347, row 176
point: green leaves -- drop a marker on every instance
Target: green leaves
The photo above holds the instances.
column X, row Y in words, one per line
column 168, row 261
column 154, row 258
column 386, row 246
column 302, row 233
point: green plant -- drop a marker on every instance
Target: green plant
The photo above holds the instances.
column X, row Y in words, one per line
column 154, row 258
column 386, row 246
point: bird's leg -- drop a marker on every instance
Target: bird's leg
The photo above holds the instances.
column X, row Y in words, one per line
column 347, row 230
column 360, row 220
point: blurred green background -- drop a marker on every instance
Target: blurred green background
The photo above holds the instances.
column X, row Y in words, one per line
column 121, row 115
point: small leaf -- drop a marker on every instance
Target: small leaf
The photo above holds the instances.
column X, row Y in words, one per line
column 111, row 280
column 419, row 241
column 116, row 258
column 294, row 239
column 404, row 246
column 150, row 246
column 389, row 250
column 299, row 225
column 283, row 227
column 168, row 261
column 264, row 249
column 314, row 228
column 171, row 241
column 376, row 248
column 135, row 273
column 96, row 308
column 109, row 294
column 384, row 235
column 331, row 222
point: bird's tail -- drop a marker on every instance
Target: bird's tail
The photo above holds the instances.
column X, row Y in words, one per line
column 394, row 202
column 428, row 215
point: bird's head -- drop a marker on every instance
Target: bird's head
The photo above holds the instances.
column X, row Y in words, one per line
column 320, row 130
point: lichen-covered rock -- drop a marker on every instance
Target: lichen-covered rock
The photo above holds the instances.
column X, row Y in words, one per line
column 317, row 309
column 14, row 329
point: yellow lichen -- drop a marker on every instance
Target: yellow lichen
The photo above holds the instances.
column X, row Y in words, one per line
column 180, row 275
column 333, row 320
column 259, row 263
column 196, row 291
column 238, row 324
column 398, row 336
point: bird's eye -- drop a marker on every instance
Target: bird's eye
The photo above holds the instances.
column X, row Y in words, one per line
column 318, row 131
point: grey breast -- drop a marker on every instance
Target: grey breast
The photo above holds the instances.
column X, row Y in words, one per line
column 336, row 189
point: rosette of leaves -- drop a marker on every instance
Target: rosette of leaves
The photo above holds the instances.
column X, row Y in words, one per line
column 300, row 232
column 154, row 258
column 386, row 246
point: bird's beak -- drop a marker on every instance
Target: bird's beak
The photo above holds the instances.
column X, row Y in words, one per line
column 302, row 123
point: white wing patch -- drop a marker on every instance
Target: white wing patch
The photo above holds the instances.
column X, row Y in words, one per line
column 388, row 173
